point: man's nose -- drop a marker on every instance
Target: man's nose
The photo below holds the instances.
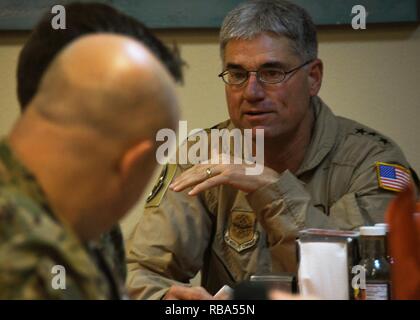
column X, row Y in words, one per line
column 253, row 90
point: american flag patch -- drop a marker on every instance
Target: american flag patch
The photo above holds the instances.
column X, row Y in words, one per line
column 392, row 177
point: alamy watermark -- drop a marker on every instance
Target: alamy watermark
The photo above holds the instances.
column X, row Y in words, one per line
column 359, row 20
column 59, row 20
column 58, row 282
column 359, row 279
column 216, row 148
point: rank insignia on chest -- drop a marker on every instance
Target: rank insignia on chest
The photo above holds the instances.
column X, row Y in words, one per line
column 392, row 177
column 241, row 233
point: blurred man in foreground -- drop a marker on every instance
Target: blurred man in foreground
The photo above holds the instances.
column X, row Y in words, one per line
column 91, row 126
column 44, row 43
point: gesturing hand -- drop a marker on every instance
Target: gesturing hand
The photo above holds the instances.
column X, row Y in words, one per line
column 205, row 176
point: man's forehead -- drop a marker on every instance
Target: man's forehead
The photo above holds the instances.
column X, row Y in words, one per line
column 260, row 50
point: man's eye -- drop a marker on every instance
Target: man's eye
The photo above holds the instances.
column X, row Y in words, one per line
column 237, row 74
column 271, row 73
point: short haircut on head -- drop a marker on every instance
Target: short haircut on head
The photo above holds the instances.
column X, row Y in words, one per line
column 82, row 18
column 278, row 17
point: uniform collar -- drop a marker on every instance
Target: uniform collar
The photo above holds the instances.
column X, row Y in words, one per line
column 323, row 138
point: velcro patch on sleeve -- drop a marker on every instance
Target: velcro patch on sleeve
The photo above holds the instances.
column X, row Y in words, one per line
column 392, row 176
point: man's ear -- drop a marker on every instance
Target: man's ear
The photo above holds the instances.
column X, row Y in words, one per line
column 134, row 156
column 315, row 77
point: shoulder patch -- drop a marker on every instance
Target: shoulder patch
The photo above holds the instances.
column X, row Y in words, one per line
column 159, row 190
column 392, row 176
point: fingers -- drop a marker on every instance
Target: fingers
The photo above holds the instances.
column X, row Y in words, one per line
column 207, row 184
column 200, row 179
column 228, row 174
column 193, row 176
column 187, row 293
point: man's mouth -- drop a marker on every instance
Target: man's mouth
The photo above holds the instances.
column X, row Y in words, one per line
column 256, row 114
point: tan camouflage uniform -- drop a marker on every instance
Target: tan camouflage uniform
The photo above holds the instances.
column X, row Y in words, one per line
column 230, row 236
column 33, row 241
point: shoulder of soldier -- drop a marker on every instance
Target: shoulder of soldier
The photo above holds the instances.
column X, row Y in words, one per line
column 358, row 141
column 28, row 270
column 180, row 163
column 21, row 216
column 28, row 275
column 31, row 246
column 16, row 214
column 362, row 147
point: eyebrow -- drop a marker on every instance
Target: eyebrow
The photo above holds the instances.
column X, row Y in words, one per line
column 274, row 64
column 270, row 64
column 233, row 66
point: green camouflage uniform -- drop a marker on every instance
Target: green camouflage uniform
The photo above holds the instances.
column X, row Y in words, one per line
column 33, row 241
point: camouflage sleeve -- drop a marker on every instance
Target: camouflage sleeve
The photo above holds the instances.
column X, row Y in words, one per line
column 25, row 275
column 169, row 242
column 39, row 258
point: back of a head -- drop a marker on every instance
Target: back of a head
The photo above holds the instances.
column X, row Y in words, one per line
column 113, row 85
column 279, row 17
column 81, row 19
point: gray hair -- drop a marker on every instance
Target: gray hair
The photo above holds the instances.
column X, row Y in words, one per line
column 280, row 17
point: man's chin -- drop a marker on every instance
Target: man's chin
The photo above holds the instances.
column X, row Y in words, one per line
column 259, row 130
column 265, row 130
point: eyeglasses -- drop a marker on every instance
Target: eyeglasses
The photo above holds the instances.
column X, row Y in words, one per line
column 269, row 75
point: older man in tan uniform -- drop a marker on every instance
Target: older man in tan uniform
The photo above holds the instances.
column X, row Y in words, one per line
column 320, row 170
